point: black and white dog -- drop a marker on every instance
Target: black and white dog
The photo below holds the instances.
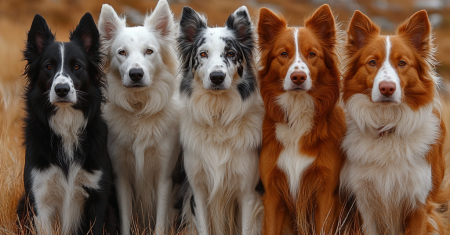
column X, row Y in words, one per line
column 222, row 125
column 68, row 173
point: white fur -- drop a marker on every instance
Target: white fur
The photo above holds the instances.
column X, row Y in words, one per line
column 143, row 123
column 299, row 111
column 386, row 73
column 298, row 65
column 68, row 123
column 58, row 196
column 61, row 77
column 389, row 175
column 221, row 159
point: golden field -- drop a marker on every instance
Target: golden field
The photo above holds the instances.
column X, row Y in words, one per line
column 63, row 15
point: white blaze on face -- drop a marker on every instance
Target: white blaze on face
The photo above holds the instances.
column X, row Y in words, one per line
column 298, row 66
column 62, row 79
column 386, row 73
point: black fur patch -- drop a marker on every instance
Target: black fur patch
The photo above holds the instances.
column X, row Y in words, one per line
column 189, row 40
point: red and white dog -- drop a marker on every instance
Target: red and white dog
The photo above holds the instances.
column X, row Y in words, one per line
column 395, row 164
column 300, row 159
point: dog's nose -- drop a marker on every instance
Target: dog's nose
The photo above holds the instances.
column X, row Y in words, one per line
column 62, row 89
column 387, row 88
column 217, row 77
column 298, row 77
column 136, row 74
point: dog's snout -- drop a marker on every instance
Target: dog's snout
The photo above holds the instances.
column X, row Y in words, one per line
column 62, row 89
column 387, row 88
column 217, row 77
column 136, row 74
column 298, row 77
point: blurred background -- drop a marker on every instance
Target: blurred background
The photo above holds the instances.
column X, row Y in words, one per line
column 63, row 15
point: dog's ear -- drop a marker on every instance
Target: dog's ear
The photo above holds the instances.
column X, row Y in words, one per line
column 323, row 25
column 268, row 26
column 417, row 30
column 361, row 30
column 109, row 23
column 191, row 23
column 38, row 37
column 161, row 19
column 86, row 33
column 240, row 23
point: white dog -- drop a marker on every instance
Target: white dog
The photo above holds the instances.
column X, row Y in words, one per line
column 142, row 114
column 221, row 131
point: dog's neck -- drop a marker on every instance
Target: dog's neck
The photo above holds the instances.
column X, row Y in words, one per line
column 217, row 109
column 385, row 120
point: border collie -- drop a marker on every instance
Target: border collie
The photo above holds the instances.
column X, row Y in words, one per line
column 221, row 130
column 68, row 174
column 395, row 164
column 300, row 158
column 142, row 114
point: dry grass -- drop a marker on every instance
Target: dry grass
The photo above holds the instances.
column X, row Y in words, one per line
column 63, row 15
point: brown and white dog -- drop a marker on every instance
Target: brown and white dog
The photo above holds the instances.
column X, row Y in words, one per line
column 303, row 126
column 395, row 134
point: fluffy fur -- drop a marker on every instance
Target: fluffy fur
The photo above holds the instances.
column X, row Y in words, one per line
column 221, row 129
column 394, row 142
column 303, row 126
column 68, row 174
column 142, row 115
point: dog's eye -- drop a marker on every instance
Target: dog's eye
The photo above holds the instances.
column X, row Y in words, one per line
column 122, row 52
column 230, row 54
column 149, row 51
column 312, row 55
column 203, row 54
column 372, row 63
column 402, row 63
column 284, row 54
column 49, row 66
column 77, row 67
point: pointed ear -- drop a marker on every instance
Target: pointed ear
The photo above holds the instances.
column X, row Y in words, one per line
column 161, row 19
column 239, row 22
column 361, row 30
column 191, row 23
column 109, row 22
column 323, row 25
column 86, row 33
column 269, row 25
column 417, row 30
column 39, row 35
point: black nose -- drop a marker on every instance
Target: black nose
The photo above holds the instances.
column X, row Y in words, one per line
column 217, row 77
column 136, row 74
column 62, row 89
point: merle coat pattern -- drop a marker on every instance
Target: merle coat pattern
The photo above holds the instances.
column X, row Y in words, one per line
column 221, row 128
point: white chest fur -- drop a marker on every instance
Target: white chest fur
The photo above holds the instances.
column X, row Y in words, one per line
column 68, row 123
column 299, row 111
column 388, row 172
column 59, row 196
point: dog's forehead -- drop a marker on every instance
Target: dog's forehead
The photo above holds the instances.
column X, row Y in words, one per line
column 216, row 37
column 136, row 37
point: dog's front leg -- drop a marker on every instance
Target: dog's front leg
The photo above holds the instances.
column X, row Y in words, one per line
column 124, row 194
column 201, row 212
column 163, row 200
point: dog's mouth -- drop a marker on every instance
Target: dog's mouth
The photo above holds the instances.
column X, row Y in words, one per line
column 296, row 89
column 135, row 86
column 63, row 102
